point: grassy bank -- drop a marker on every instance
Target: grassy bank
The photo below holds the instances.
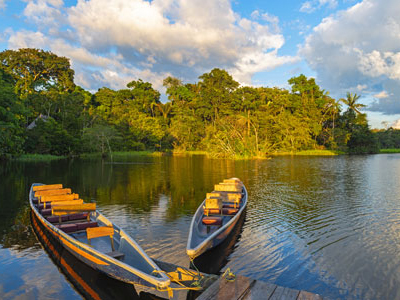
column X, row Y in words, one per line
column 304, row 152
column 393, row 150
column 122, row 154
column 311, row 152
column 132, row 154
column 183, row 153
column 38, row 157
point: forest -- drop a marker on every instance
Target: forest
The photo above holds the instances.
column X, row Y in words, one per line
column 43, row 111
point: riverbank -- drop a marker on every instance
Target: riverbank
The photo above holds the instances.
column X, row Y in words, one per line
column 130, row 154
column 38, row 157
column 311, row 153
column 393, row 150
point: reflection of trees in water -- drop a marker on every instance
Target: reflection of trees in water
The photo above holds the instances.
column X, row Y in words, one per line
column 14, row 207
column 139, row 183
column 19, row 236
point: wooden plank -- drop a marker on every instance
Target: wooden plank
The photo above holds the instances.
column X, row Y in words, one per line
column 62, row 209
column 225, row 196
column 53, row 192
column 227, row 290
column 96, row 232
column 227, row 187
column 47, row 187
column 308, row 296
column 69, row 202
column 59, row 197
column 260, row 290
column 233, row 181
column 283, row 293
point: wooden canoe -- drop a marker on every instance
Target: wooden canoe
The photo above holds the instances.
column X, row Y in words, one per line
column 108, row 250
column 212, row 224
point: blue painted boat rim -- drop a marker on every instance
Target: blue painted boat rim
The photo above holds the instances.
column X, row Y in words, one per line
column 193, row 252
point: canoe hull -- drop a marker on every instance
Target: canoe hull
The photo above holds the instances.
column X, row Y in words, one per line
column 91, row 283
column 89, row 256
column 197, row 248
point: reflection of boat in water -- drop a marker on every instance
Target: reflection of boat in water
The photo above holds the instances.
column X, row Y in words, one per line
column 91, row 238
column 90, row 283
column 216, row 217
column 214, row 260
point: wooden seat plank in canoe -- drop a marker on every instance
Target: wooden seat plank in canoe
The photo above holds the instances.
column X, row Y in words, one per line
column 233, row 181
column 69, row 217
column 46, row 205
column 61, row 209
column 212, row 221
column 58, row 198
column 97, row 232
column 228, row 187
column 229, row 211
column 227, row 197
column 47, row 187
column 212, row 206
column 53, row 192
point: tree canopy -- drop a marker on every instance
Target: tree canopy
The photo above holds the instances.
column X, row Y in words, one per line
column 215, row 114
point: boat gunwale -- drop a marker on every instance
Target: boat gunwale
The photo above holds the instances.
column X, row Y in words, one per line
column 197, row 249
column 162, row 282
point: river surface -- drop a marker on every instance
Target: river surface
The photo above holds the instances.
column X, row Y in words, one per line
column 328, row 225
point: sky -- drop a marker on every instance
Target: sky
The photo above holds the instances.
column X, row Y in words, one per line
column 346, row 45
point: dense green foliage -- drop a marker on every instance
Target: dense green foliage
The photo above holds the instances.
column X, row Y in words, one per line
column 215, row 115
column 388, row 139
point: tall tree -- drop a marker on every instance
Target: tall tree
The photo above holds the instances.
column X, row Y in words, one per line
column 351, row 102
column 216, row 90
column 35, row 70
column 144, row 94
column 11, row 115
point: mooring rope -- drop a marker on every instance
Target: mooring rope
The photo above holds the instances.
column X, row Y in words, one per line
column 229, row 275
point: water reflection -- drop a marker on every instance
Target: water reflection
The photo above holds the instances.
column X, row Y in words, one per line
column 324, row 224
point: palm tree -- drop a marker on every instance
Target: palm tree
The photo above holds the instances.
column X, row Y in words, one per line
column 165, row 109
column 351, row 102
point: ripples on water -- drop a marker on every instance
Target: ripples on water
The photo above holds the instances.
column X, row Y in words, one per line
column 329, row 225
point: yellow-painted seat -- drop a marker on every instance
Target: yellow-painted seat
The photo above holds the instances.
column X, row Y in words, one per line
column 51, row 198
column 47, row 187
column 53, row 192
column 62, row 209
column 97, row 232
column 67, row 202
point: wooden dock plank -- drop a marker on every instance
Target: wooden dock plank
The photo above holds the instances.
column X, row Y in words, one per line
column 242, row 288
column 227, row 290
column 259, row 290
column 308, row 296
column 283, row 293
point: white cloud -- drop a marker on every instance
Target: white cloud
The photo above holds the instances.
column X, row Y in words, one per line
column 396, row 124
column 359, row 47
column 92, row 71
column 313, row 5
column 307, row 7
column 361, row 87
column 381, row 95
column 45, row 12
column 151, row 39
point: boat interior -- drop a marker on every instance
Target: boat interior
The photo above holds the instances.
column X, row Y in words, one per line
column 220, row 206
column 66, row 211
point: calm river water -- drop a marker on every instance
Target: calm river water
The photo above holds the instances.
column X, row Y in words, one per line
column 329, row 225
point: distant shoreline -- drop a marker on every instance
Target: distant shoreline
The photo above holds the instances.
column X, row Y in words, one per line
column 129, row 154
